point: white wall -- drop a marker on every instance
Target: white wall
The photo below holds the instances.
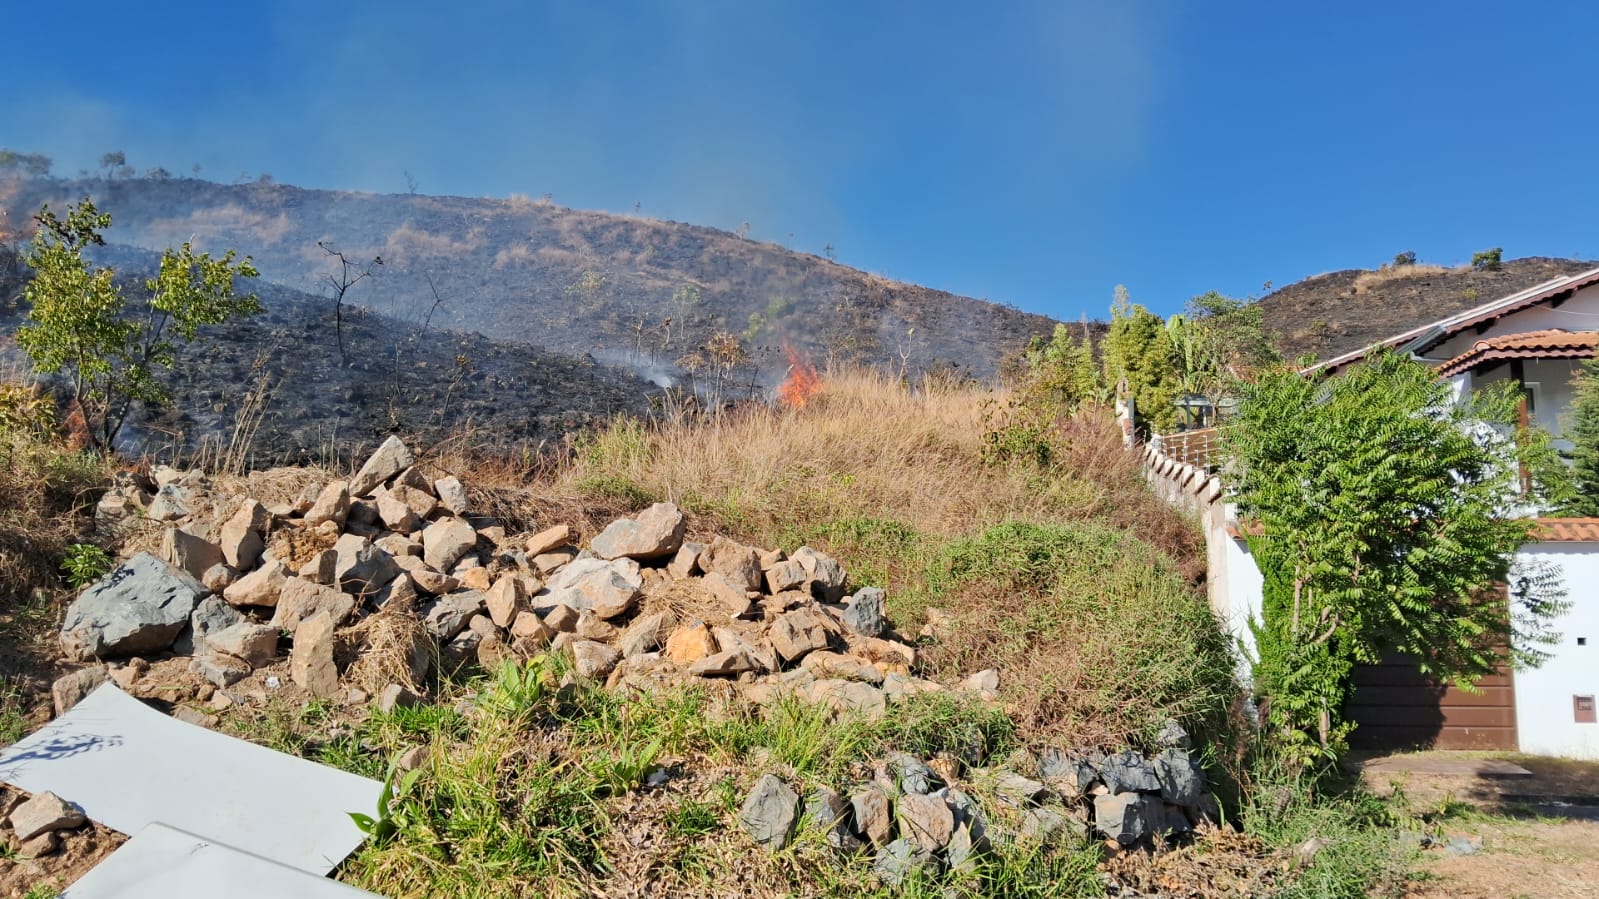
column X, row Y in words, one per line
column 1544, row 722
column 1244, row 589
column 1577, row 313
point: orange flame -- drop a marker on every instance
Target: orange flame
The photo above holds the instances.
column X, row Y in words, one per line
column 802, row 381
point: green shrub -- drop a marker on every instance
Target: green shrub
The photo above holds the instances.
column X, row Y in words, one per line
column 1488, row 260
column 84, row 564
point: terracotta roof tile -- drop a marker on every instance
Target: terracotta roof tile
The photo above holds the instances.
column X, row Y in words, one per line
column 1568, row 530
column 1551, row 344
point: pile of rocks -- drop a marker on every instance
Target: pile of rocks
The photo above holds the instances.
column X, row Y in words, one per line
column 914, row 815
column 640, row 605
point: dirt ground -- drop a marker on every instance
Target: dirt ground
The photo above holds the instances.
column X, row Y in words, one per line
column 1534, row 836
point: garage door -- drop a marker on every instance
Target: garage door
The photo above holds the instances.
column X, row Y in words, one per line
column 1397, row 707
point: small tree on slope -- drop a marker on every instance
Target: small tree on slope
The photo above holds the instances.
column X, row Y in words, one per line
column 78, row 320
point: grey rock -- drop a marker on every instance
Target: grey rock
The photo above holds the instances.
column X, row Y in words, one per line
column 912, row 775
column 1129, row 772
column 70, row 689
column 739, row 564
column 452, row 494
column 864, row 612
column 211, row 614
column 44, row 813
column 1015, row 790
column 797, row 633
column 362, row 569
column 332, row 504
column 784, row 576
column 606, row 588
column 240, row 538
column 770, row 812
column 647, row 633
column 447, row 616
column 1173, row 736
column 1045, row 825
column 171, row 503
column 847, row 697
column 311, row 662
column 388, row 460
column 140, row 607
column 256, row 644
column 302, row 598
column 655, row 533
column 726, row 662
column 1127, row 817
column 903, row 859
column 396, row 696
column 828, row 812
column 1181, row 781
column 594, row 660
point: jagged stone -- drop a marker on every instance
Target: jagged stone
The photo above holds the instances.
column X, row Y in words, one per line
column 44, row 813
column 872, row 818
column 172, row 502
column 783, row 576
column 395, row 696
column 985, row 681
column 726, row 662
column 475, row 577
column 431, row 582
column 452, row 495
column 646, row 633
column 69, row 690
column 824, row 663
column 591, row 627
column 728, row 594
column 551, row 562
column 389, row 459
column 606, row 588
column 210, row 615
column 395, row 513
column 505, row 599
column 826, row 575
column 797, row 633
column 912, row 774
column 260, row 588
column 690, row 644
column 256, row 644
column 220, row 668
column 219, row 577
column 655, row 533
column 562, row 618
column 1129, row 772
column 1172, row 736
column 188, row 552
column 241, row 536
column 551, row 538
column 361, row 568
column 686, row 562
column 1127, row 817
column 847, row 696
column 740, row 564
column 863, row 613
column 593, row 660
column 1181, row 781
column 529, row 626
column 139, row 607
column 446, row 541
column 331, row 505
column 311, row 662
column 300, row 599
column 770, row 812
column 321, row 567
column 447, row 615
column 827, row 811
column 1045, row 824
column 926, row 819
column 901, row 859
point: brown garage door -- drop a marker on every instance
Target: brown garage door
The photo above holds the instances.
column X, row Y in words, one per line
column 1395, row 706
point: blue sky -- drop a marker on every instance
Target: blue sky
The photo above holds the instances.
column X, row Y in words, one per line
column 1035, row 153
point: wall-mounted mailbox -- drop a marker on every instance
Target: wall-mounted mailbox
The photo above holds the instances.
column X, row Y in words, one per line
column 1583, row 708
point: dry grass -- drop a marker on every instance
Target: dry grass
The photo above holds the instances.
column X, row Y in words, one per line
column 1368, row 280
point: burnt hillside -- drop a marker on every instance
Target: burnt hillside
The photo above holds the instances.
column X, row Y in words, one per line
column 1339, row 312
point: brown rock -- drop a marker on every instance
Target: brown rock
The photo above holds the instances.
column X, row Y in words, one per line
column 477, row 578
column 396, row 696
column 834, row 664
column 430, row 581
column 256, row 644
column 447, row 541
column 726, row 662
column 607, row 589
column 551, row 538
column 260, row 587
column 388, row 460
column 420, row 501
column 528, row 625
column 395, row 513
column 847, row 696
column 561, row 618
column 784, row 576
column 797, row 633
column 47, row 843
column 44, row 813
column 686, row 563
column 321, row 567
column 590, row 627
column 646, row 633
column 872, row 818
column 551, row 562
column 730, row 595
column 332, row 504
column 771, row 558
column 927, row 820
column 505, row 599
column 300, row 599
column 399, row 545
column 241, row 536
column 414, row 478
column 69, row 690
column 740, row 564
column 593, row 660
column 311, row 662
column 690, row 644
column 219, row 577
column 188, row 552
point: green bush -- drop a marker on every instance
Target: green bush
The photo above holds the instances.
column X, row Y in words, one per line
column 1488, row 260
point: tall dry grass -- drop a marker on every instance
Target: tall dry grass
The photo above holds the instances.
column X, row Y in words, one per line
column 1365, row 281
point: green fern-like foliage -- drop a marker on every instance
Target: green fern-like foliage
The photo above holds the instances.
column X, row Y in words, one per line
column 1584, row 434
column 1388, row 519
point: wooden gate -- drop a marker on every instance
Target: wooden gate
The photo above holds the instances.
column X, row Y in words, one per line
column 1395, row 707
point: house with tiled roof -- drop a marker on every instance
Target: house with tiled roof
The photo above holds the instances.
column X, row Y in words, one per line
column 1538, row 339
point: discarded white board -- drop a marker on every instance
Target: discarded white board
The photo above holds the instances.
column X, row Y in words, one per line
column 128, row 766
column 161, row 862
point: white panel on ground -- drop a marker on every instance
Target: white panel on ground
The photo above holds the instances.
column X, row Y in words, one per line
column 128, row 766
column 161, row 862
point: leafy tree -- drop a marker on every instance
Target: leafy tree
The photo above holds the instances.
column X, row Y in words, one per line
column 114, row 162
column 1488, row 260
column 1140, row 360
column 29, row 165
column 1217, row 343
column 1402, row 259
column 78, row 321
column 1584, row 434
column 1386, row 521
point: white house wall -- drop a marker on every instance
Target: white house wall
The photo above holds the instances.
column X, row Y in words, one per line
column 1580, row 312
column 1554, row 390
column 1545, row 722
